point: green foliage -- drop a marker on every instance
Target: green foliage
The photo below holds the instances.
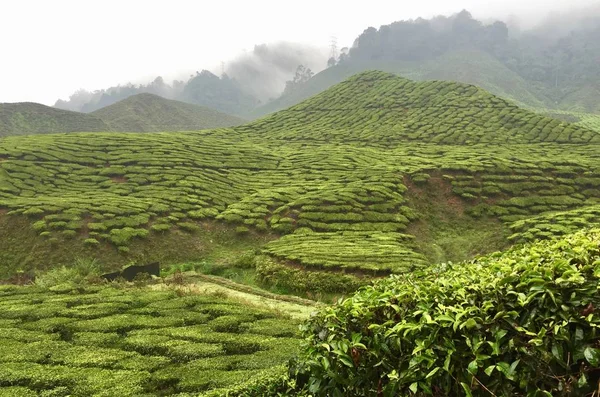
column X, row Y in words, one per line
column 135, row 341
column 292, row 279
column 123, row 236
column 79, row 273
column 522, row 322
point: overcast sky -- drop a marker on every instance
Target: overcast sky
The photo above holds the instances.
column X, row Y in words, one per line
column 49, row 49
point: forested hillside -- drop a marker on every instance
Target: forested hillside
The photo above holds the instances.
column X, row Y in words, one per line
column 532, row 68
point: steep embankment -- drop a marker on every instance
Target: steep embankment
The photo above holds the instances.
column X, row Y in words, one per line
column 34, row 118
column 148, row 112
column 377, row 175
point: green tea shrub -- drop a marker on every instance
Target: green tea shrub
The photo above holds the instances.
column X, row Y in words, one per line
column 229, row 323
column 121, row 237
column 160, row 227
column 17, row 391
column 188, row 227
column 519, row 323
column 91, row 242
column 273, row 274
column 271, row 382
column 242, row 230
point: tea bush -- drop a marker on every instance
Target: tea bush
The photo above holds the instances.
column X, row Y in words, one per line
column 523, row 322
column 116, row 341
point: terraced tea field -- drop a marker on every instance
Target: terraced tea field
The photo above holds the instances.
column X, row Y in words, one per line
column 110, row 341
column 336, row 189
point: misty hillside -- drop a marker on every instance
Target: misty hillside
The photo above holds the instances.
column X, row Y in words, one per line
column 530, row 69
column 149, row 112
column 34, row 118
column 472, row 67
column 552, row 66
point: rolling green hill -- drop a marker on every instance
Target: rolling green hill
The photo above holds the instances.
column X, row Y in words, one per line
column 377, row 175
column 148, row 112
column 382, row 108
column 138, row 113
column 34, row 118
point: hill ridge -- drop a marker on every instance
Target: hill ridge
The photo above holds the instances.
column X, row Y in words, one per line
column 29, row 118
column 147, row 112
column 434, row 111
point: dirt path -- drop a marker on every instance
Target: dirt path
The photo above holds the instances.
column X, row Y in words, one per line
column 294, row 310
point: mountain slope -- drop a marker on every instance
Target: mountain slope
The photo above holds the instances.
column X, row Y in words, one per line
column 377, row 175
column 149, row 112
column 384, row 108
column 34, row 118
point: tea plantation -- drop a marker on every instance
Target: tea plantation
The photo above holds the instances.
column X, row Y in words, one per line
column 115, row 341
column 374, row 176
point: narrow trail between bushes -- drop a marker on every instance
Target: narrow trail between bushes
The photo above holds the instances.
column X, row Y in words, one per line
column 291, row 306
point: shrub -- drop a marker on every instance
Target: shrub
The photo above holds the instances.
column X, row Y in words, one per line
column 69, row 233
column 121, row 237
column 81, row 272
column 245, row 260
column 188, row 227
column 160, row 227
column 520, row 323
column 33, row 211
column 242, row 230
column 274, row 274
column 271, row 382
column 39, row 225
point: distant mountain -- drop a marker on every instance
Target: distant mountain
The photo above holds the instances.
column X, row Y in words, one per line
column 534, row 69
column 222, row 93
column 554, row 66
column 34, row 118
column 149, row 112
